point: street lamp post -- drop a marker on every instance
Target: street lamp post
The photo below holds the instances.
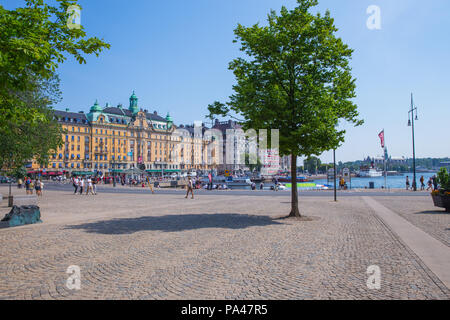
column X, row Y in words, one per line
column 411, row 119
column 114, row 171
column 334, row 174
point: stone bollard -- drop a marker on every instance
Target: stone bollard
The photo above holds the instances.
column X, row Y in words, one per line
column 10, row 201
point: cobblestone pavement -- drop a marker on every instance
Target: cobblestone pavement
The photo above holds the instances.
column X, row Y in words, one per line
column 214, row 247
column 423, row 214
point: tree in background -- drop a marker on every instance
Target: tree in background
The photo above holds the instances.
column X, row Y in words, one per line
column 25, row 140
column 297, row 79
column 251, row 165
column 34, row 40
column 312, row 164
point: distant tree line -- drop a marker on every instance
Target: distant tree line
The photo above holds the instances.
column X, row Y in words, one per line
column 314, row 165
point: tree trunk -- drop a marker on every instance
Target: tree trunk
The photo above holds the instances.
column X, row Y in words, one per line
column 294, row 193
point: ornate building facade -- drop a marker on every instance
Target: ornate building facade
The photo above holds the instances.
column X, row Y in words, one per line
column 112, row 139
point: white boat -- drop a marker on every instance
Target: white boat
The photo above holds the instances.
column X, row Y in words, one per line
column 233, row 182
column 370, row 173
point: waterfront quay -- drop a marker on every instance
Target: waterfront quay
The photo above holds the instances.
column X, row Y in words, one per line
column 131, row 244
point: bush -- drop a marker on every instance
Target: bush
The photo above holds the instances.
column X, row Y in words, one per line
column 443, row 179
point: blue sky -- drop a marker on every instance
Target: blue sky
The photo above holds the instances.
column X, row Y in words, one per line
column 175, row 55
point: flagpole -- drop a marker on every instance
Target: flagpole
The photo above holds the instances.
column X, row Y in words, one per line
column 385, row 171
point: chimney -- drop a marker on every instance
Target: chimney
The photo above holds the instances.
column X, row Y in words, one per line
column 67, row 109
column 155, row 113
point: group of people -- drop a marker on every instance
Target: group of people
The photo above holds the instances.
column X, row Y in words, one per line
column 261, row 186
column 82, row 183
column 432, row 183
column 37, row 185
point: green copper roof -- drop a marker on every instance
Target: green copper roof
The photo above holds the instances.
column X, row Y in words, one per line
column 96, row 107
column 133, row 104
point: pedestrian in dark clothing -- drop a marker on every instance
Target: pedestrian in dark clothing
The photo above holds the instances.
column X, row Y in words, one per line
column 435, row 183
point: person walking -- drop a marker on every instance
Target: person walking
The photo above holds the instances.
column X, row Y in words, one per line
column 27, row 185
column 407, row 182
column 261, row 186
column 430, row 184
column 89, row 186
column 150, row 184
column 190, row 188
column 81, row 185
column 94, row 185
column 42, row 186
column 31, row 186
column 75, row 184
column 19, row 183
column 435, row 183
column 37, row 187
column 422, row 183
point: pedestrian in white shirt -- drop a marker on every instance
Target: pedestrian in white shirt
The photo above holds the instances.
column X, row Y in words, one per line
column 81, row 185
column 75, row 184
column 89, row 186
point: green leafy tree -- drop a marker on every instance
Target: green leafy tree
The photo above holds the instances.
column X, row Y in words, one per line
column 34, row 40
column 312, row 164
column 251, row 165
column 296, row 78
column 443, row 179
column 25, row 139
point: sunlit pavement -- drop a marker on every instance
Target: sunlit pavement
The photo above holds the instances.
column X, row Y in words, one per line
column 221, row 245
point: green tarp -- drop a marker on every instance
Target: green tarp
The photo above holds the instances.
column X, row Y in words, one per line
column 83, row 173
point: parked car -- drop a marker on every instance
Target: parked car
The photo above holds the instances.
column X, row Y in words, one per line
column 5, row 179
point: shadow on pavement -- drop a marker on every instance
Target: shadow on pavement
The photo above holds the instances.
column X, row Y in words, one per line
column 433, row 212
column 174, row 223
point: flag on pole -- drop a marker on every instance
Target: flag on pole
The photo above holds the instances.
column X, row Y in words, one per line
column 381, row 135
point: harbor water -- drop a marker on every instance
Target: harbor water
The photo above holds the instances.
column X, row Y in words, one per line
column 393, row 182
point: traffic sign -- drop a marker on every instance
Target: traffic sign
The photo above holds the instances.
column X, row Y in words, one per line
column 227, row 173
column 346, row 174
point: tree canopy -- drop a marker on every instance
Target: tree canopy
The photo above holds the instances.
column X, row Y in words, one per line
column 296, row 77
column 34, row 41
